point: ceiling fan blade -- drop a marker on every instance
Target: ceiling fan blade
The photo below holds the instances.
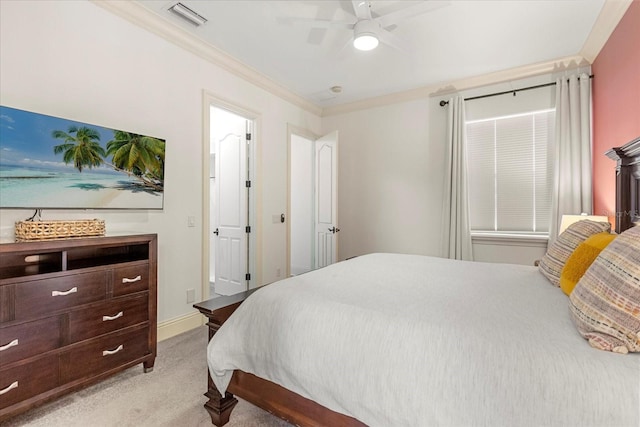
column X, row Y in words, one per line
column 362, row 9
column 345, row 51
column 317, row 23
column 410, row 11
column 394, row 41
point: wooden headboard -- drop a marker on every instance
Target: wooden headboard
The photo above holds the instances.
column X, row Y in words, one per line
column 627, row 158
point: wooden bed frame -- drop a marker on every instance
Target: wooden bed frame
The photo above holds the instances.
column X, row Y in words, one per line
column 627, row 160
column 300, row 411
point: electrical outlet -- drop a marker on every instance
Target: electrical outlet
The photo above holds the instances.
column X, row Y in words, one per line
column 278, row 272
column 191, row 295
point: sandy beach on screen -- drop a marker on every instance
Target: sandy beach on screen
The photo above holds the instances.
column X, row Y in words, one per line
column 117, row 198
column 103, row 198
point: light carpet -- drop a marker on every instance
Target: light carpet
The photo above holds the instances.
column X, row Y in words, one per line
column 171, row 395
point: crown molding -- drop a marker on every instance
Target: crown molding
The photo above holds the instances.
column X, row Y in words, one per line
column 606, row 22
column 446, row 88
column 150, row 21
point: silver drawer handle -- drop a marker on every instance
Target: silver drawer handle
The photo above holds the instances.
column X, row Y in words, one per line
column 63, row 293
column 109, row 352
column 8, row 346
column 11, row 387
column 135, row 279
column 105, row 318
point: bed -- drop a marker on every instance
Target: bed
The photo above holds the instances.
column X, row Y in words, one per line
column 407, row 340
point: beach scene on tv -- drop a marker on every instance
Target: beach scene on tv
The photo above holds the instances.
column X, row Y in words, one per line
column 50, row 162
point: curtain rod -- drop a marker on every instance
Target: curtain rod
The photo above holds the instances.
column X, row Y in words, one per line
column 513, row 91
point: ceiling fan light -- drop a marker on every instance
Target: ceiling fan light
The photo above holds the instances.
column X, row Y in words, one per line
column 365, row 34
column 365, row 42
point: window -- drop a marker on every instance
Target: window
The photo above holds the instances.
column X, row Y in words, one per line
column 509, row 180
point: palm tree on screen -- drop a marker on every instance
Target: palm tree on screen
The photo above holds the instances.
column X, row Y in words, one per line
column 141, row 155
column 81, row 147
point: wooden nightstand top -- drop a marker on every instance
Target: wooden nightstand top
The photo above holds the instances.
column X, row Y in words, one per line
column 213, row 304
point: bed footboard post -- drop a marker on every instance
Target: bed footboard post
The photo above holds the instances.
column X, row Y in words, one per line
column 218, row 407
column 217, row 311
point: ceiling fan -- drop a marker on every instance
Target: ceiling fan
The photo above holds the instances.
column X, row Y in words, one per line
column 369, row 31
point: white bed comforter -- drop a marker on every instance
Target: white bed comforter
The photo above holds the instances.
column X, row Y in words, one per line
column 404, row 340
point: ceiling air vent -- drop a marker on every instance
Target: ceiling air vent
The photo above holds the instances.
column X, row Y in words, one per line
column 188, row 14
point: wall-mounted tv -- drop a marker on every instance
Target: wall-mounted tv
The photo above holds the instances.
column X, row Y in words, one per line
column 53, row 163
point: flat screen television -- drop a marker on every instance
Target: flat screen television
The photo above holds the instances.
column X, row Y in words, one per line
column 53, row 163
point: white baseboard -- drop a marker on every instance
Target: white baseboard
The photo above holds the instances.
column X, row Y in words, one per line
column 173, row 327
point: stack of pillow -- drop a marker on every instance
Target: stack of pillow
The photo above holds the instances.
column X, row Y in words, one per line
column 600, row 272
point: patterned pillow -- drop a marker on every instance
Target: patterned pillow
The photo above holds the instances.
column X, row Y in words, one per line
column 582, row 258
column 605, row 304
column 557, row 255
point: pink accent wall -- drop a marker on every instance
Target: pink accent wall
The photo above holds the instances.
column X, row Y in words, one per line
column 616, row 104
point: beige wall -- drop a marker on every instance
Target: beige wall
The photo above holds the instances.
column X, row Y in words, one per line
column 389, row 179
column 391, row 167
column 78, row 61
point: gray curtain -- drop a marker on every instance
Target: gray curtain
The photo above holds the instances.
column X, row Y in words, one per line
column 456, row 238
column 572, row 191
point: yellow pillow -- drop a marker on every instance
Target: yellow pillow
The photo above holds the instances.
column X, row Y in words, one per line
column 581, row 258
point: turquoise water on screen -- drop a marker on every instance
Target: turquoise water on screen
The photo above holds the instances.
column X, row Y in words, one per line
column 42, row 188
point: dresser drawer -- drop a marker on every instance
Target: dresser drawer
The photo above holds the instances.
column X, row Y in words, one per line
column 105, row 353
column 108, row 317
column 29, row 339
column 127, row 280
column 45, row 296
column 25, row 381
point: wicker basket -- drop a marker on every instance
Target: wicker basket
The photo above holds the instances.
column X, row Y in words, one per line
column 59, row 229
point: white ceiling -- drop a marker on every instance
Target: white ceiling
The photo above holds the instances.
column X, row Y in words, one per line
column 458, row 39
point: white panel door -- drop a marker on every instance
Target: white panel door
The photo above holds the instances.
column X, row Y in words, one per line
column 232, row 240
column 326, row 205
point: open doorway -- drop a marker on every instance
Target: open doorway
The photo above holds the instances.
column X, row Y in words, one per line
column 301, row 218
column 228, row 202
column 313, row 201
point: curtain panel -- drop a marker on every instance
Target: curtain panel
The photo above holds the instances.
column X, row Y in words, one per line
column 572, row 191
column 456, row 238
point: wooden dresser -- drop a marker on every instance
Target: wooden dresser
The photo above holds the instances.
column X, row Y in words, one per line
column 73, row 312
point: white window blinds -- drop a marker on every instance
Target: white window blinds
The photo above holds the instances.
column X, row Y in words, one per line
column 509, row 181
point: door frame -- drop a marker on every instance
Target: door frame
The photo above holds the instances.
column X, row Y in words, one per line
column 255, row 201
column 305, row 133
